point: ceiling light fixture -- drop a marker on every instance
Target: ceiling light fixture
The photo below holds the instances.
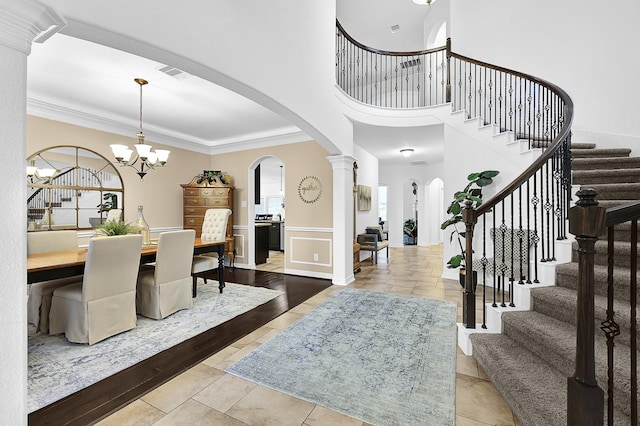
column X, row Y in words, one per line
column 37, row 175
column 424, row 2
column 149, row 160
column 406, row 152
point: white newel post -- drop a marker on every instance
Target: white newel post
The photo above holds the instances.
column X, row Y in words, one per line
column 342, row 218
column 20, row 22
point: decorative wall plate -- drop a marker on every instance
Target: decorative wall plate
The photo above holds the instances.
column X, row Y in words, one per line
column 310, row 189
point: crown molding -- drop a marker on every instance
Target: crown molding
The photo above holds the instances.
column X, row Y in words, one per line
column 26, row 21
column 280, row 136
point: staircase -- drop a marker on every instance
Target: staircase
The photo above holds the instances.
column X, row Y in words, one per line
column 530, row 361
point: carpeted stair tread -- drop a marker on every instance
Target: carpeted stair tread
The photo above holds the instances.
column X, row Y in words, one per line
column 567, row 277
column 555, row 342
column 621, row 250
column 616, row 191
column 604, row 163
column 590, row 177
column 539, row 401
column 561, row 303
column 582, row 145
column 600, row 152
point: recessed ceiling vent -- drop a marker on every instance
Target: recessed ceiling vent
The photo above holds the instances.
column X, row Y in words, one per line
column 410, row 63
column 173, row 72
column 418, row 163
column 395, row 28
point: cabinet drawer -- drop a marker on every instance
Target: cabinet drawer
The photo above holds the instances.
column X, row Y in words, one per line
column 194, row 211
column 217, row 202
column 193, row 201
column 192, row 192
column 192, row 222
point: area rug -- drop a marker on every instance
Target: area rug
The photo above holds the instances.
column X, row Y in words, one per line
column 381, row 358
column 57, row 368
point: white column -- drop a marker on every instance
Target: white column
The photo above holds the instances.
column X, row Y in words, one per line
column 342, row 218
column 20, row 21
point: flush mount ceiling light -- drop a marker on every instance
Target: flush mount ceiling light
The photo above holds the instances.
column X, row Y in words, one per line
column 424, row 2
column 149, row 160
column 406, row 152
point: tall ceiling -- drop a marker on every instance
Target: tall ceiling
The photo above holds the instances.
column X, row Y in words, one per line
column 87, row 84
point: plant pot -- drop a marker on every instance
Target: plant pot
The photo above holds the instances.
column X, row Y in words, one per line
column 463, row 276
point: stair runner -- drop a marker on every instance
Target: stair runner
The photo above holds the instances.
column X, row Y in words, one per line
column 530, row 361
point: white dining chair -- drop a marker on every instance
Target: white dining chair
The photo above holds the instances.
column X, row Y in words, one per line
column 104, row 302
column 165, row 287
column 214, row 228
column 114, row 215
column 40, row 293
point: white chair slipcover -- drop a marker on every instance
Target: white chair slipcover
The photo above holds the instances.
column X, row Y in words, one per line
column 166, row 288
column 214, row 228
column 114, row 215
column 104, row 302
column 40, row 293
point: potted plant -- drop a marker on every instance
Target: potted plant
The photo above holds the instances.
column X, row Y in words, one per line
column 473, row 193
column 112, row 227
column 410, row 230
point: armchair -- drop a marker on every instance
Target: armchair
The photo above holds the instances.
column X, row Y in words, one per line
column 214, row 228
column 40, row 293
column 166, row 287
column 104, row 302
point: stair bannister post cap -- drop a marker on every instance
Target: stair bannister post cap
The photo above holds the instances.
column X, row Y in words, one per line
column 587, row 197
column 587, row 218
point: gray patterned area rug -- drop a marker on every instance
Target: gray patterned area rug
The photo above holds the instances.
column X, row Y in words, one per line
column 381, row 358
column 57, row 368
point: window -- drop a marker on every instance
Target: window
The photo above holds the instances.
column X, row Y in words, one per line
column 382, row 202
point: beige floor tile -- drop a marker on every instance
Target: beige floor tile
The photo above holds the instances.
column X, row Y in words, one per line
column 266, row 407
column 283, row 321
column 225, row 392
column 192, row 413
column 236, row 356
column 177, row 390
column 463, row 421
column 466, row 365
column 321, row 416
column 478, row 399
column 268, row 335
column 138, row 413
column 220, row 356
column 250, row 338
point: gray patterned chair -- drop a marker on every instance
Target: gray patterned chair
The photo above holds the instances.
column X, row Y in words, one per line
column 510, row 257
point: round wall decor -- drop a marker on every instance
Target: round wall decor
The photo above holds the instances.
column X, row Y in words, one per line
column 310, row 189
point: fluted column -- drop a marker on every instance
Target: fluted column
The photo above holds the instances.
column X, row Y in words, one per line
column 20, row 22
column 342, row 218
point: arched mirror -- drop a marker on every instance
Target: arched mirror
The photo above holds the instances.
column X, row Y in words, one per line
column 69, row 187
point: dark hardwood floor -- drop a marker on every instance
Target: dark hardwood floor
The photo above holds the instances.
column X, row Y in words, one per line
column 95, row 402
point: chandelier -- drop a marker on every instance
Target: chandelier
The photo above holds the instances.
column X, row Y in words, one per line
column 145, row 159
column 37, row 175
column 424, row 2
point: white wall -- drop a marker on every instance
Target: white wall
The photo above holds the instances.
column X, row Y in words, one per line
column 585, row 47
column 367, row 175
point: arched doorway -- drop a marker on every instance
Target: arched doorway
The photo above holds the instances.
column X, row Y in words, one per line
column 266, row 214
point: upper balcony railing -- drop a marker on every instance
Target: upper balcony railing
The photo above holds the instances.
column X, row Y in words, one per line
column 390, row 79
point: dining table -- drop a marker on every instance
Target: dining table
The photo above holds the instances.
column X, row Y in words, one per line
column 69, row 263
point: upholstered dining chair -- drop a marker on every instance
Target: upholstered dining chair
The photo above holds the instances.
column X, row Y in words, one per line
column 214, row 228
column 104, row 302
column 165, row 288
column 40, row 293
column 114, row 215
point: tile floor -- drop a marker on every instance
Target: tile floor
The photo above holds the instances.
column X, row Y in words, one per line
column 205, row 395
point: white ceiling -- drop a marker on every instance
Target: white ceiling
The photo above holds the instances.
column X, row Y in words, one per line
column 83, row 83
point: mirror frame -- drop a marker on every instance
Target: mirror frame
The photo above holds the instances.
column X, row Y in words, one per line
column 50, row 185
